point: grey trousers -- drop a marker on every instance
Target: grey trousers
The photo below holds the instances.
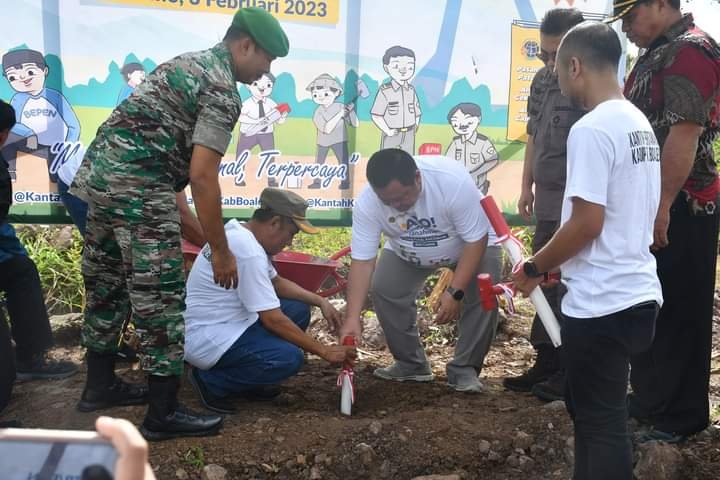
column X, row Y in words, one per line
column 395, row 286
column 247, row 142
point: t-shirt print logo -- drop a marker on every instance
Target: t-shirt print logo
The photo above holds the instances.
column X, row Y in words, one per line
column 423, row 232
column 644, row 147
column 414, row 222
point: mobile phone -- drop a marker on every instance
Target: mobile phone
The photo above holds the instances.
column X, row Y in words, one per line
column 36, row 454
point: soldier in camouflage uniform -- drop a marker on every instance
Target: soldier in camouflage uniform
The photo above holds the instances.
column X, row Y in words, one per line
column 171, row 132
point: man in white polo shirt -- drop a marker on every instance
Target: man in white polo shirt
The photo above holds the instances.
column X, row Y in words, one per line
column 428, row 209
column 603, row 249
column 244, row 341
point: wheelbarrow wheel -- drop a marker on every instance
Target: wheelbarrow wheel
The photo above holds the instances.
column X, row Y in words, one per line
column 340, row 281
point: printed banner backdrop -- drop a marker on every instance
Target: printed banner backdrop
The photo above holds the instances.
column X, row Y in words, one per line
column 427, row 76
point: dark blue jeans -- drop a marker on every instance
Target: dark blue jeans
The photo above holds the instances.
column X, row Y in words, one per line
column 258, row 357
column 597, row 356
column 76, row 208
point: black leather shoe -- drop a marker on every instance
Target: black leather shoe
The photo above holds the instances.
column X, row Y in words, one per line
column 526, row 381
column 182, row 422
column 552, row 389
column 42, row 368
column 209, row 401
column 116, row 395
column 546, row 364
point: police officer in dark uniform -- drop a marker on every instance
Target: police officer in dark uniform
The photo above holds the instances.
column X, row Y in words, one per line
column 551, row 116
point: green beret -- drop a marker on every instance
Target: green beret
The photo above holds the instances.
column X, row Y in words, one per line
column 264, row 29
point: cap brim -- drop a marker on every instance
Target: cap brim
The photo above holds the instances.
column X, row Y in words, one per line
column 617, row 17
column 305, row 226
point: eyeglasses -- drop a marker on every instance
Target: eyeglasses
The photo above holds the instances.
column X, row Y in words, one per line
column 546, row 56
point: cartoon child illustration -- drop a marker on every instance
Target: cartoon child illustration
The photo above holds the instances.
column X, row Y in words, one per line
column 257, row 118
column 396, row 110
column 470, row 147
column 330, row 118
column 255, row 113
column 44, row 111
column 134, row 75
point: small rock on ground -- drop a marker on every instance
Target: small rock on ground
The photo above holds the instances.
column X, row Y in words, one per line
column 658, row 461
column 213, row 472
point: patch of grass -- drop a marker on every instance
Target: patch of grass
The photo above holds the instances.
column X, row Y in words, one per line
column 194, row 457
column 57, row 253
column 323, row 244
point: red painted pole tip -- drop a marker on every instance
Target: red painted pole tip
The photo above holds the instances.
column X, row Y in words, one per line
column 495, row 216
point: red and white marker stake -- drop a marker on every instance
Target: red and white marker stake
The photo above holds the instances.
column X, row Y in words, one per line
column 514, row 249
column 345, row 382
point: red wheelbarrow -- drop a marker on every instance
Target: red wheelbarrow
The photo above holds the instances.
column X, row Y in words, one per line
column 308, row 271
column 311, row 272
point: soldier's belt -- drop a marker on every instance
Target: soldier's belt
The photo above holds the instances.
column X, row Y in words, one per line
column 406, row 129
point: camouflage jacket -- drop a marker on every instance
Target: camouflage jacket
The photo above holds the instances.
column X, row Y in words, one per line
column 148, row 139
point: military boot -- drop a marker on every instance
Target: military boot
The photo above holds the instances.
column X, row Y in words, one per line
column 166, row 418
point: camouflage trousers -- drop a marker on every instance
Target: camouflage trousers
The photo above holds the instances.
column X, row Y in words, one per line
column 133, row 260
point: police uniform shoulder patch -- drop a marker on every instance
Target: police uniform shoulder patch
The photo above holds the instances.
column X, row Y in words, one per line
column 482, row 137
column 385, row 86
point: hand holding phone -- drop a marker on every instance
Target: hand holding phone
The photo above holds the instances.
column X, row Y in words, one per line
column 35, row 454
column 132, row 462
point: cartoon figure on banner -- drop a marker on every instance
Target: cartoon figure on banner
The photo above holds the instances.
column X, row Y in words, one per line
column 42, row 112
column 134, row 74
column 469, row 146
column 330, row 118
column 396, row 109
column 258, row 116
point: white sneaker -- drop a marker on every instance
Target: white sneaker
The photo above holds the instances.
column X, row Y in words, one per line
column 401, row 374
column 467, row 385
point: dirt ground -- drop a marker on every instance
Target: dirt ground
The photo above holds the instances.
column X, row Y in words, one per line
column 397, row 431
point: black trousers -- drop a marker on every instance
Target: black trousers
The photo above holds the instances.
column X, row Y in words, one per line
column 670, row 381
column 597, row 353
column 29, row 323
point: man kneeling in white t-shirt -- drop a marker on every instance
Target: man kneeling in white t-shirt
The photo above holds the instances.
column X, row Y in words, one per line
column 428, row 210
column 603, row 249
column 245, row 341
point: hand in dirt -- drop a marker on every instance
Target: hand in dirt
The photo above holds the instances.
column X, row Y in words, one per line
column 339, row 354
column 449, row 309
column 132, row 449
column 224, row 268
column 333, row 317
column 523, row 283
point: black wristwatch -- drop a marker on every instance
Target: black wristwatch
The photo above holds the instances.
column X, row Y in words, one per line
column 456, row 293
column 531, row 270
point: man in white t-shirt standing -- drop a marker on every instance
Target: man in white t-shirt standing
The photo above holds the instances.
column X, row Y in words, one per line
column 603, row 249
column 245, row 341
column 428, row 210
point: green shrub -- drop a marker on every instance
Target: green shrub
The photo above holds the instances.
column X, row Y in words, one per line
column 57, row 252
